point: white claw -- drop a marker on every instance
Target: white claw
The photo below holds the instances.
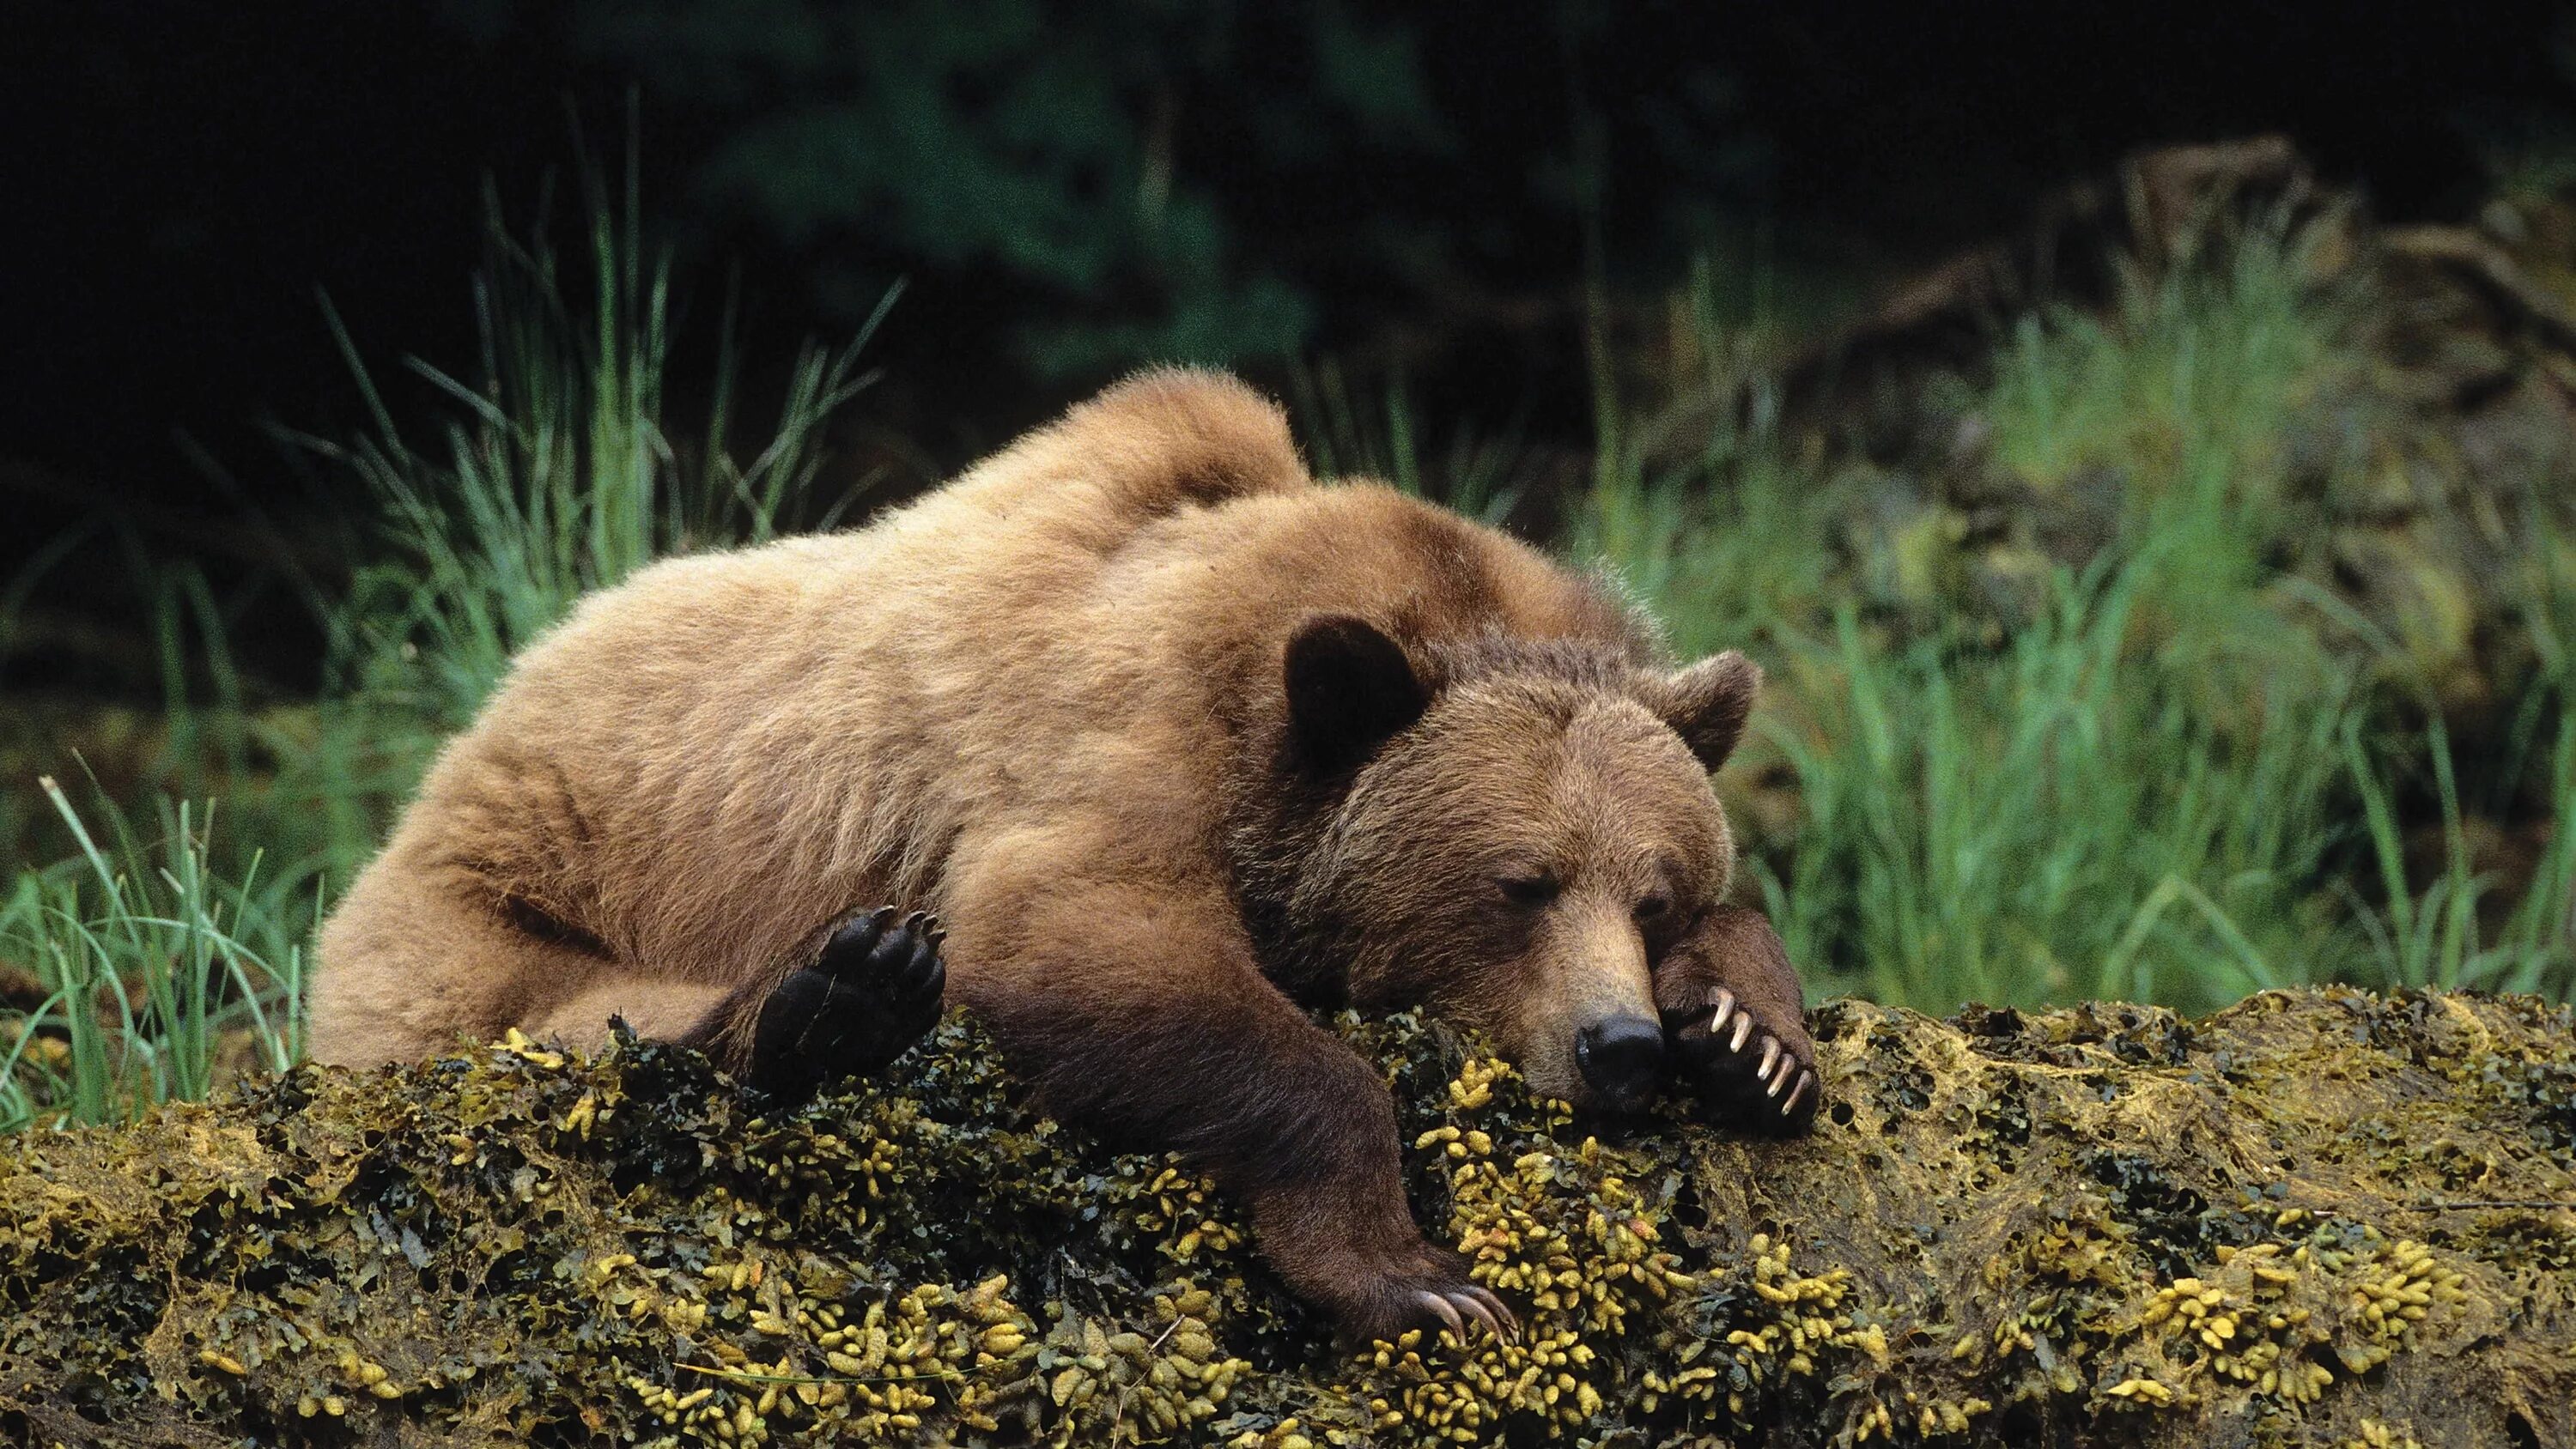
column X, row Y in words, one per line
column 1743, row 1029
column 1441, row 1306
column 1805, row 1080
column 1770, row 1058
column 1724, row 1002
column 1475, row 1308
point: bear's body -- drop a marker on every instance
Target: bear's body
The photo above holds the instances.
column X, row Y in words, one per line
column 1046, row 702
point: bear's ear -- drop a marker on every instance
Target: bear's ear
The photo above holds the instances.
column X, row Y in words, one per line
column 1350, row 687
column 1707, row 702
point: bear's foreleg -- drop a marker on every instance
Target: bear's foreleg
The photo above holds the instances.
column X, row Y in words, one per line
column 1139, row 1011
column 1735, row 1016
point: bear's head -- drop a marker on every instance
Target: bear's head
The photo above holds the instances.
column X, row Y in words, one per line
column 1517, row 832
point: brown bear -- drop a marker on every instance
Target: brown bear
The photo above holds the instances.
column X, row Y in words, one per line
column 1177, row 743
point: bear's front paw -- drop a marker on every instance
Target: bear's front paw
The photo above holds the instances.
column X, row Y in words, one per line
column 1423, row 1288
column 872, row 993
column 1732, row 1011
column 1747, row 1066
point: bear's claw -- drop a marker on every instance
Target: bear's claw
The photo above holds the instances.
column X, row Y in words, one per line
column 1422, row 1288
column 873, row 991
column 1450, row 1306
column 1475, row 1303
column 1805, row 1080
column 1796, row 1092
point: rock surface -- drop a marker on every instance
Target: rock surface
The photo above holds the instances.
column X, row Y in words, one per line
column 2315, row 1218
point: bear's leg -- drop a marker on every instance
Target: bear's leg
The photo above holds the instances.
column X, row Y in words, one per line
column 873, row 990
column 662, row 1009
column 1139, row 1011
column 1736, row 1017
column 420, row 954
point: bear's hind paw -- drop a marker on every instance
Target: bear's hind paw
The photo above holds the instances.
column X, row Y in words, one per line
column 873, row 991
column 897, row 962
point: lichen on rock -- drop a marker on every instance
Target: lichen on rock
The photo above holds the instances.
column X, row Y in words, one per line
column 2316, row 1218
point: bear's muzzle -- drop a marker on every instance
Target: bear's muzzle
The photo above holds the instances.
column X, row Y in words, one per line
column 1619, row 1056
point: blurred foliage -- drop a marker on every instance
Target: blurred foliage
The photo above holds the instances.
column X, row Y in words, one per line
column 2345, row 1216
column 1012, row 137
column 1111, row 184
column 2201, row 636
column 554, row 473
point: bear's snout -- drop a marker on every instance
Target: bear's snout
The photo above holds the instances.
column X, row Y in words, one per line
column 1619, row 1056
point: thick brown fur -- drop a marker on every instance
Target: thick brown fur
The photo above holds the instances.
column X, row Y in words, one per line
column 1172, row 738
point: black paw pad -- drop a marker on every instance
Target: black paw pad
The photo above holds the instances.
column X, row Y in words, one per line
column 872, row 992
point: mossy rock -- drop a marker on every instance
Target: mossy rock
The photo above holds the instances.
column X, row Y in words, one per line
column 2316, row 1218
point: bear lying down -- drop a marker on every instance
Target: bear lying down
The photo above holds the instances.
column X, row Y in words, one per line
column 1136, row 741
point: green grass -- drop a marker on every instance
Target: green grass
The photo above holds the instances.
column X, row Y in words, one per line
column 553, row 473
column 2188, row 382
column 2173, row 776
column 151, row 972
column 2176, row 772
column 1346, row 435
column 2441, row 934
column 2052, row 821
column 154, row 961
column 1725, row 553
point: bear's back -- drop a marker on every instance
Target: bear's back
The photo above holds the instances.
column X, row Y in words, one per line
column 735, row 747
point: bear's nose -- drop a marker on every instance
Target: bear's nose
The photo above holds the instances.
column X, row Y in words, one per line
column 1619, row 1056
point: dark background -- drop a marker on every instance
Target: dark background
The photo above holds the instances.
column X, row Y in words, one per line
column 1426, row 186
